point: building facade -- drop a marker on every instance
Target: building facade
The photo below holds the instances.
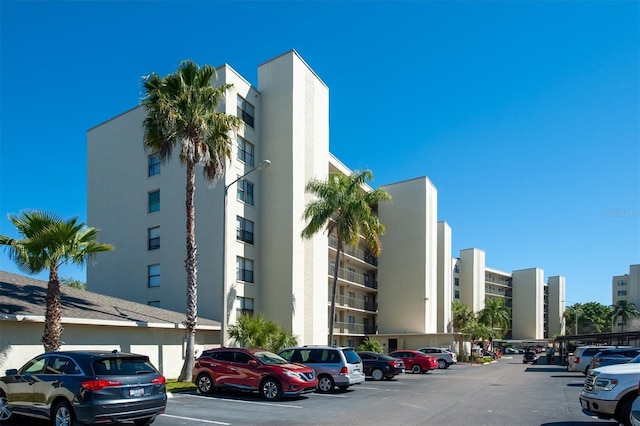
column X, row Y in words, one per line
column 627, row 286
column 268, row 268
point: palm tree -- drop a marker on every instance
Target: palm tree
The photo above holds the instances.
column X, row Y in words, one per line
column 625, row 310
column 48, row 242
column 495, row 314
column 460, row 315
column 345, row 210
column 182, row 111
column 258, row 332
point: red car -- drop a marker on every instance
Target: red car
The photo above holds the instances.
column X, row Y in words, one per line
column 252, row 370
column 416, row 361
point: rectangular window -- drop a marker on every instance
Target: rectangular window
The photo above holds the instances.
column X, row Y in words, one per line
column 245, row 191
column 154, row 238
column 351, row 319
column 456, row 294
column 245, row 151
column 153, row 272
column 245, row 111
column 244, row 230
column 456, row 281
column 456, row 268
column 154, row 165
column 244, row 269
column 622, row 283
column 622, row 292
column 154, row 201
column 245, row 306
column 351, row 342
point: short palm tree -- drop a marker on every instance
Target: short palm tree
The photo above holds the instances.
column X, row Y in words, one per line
column 344, row 209
column 496, row 315
column 258, row 332
column 48, row 242
column 182, row 113
column 624, row 309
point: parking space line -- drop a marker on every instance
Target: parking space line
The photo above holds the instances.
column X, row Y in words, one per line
column 330, row 395
column 268, row 404
column 213, row 422
column 366, row 387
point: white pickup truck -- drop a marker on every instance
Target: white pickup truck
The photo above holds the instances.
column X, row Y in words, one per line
column 609, row 392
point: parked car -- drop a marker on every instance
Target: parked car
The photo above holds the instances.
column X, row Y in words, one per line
column 444, row 357
column 613, row 356
column 252, row 370
column 530, row 356
column 508, row 350
column 581, row 359
column 634, row 415
column 380, row 366
column 334, row 365
column 84, row 387
column 416, row 361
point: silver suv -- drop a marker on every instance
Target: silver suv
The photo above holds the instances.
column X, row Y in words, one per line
column 581, row 359
column 445, row 358
column 334, row 366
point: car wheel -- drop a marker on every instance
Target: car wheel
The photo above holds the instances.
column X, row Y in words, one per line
column 271, row 390
column 325, row 384
column 377, row 374
column 343, row 388
column 622, row 414
column 63, row 415
column 144, row 422
column 416, row 369
column 5, row 412
column 204, row 383
column 442, row 364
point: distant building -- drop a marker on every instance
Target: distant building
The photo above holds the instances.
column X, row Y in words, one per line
column 627, row 287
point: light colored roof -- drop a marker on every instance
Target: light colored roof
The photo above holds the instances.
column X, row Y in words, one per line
column 24, row 298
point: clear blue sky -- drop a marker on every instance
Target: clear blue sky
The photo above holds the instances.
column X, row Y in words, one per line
column 525, row 115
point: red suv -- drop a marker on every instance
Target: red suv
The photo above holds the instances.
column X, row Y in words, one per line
column 416, row 361
column 252, row 370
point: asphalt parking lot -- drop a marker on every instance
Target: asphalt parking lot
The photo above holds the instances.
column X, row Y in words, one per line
column 506, row 392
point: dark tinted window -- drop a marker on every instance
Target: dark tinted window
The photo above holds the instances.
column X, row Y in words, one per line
column 62, row 365
column 122, row 366
column 367, row 357
column 243, row 358
column 351, row 356
column 223, row 356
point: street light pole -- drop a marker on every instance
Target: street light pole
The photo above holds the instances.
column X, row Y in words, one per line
column 225, row 320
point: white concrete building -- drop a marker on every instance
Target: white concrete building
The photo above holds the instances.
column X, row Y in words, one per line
column 627, row 286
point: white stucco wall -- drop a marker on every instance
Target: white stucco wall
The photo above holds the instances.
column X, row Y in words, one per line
column 472, row 274
column 445, row 278
column 528, row 304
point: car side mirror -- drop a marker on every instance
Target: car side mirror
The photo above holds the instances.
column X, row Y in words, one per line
column 11, row 372
column 252, row 362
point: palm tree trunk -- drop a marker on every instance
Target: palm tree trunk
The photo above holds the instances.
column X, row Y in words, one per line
column 52, row 324
column 333, row 291
column 191, row 265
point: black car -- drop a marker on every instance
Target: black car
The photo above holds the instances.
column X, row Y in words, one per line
column 77, row 387
column 380, row 366
column 612, row 356
column 530, row 356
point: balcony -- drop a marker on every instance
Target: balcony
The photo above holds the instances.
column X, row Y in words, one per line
column 354, row 328
column 358, row 253
column 354, row 277
column 352, row 302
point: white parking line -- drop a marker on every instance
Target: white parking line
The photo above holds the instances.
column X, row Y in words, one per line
column 366, row 387
column 330, row 395
column 268, row 404
column 195, row 420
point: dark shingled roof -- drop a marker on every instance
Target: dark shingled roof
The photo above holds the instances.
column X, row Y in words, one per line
column 21, row 295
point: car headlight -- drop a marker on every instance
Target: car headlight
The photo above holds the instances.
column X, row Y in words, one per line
column 606, row 384
column 292, row 374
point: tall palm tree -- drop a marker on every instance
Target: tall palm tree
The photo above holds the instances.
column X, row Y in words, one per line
column 182, row 112
column 48, row 242
column 344, row 209
column 460, row 315
column 624, row 309
column 496, row 315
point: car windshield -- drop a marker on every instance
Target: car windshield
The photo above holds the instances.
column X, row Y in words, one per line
column 123, row 366
column 270, row 358
column 635, row 360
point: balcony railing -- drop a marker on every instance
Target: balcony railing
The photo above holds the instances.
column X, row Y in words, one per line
column 352, row 302
column 353, row 328
column 354, row 277
column 358, row 253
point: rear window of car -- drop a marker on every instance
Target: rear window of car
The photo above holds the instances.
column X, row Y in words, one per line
column 123, row 367
column 351, row 356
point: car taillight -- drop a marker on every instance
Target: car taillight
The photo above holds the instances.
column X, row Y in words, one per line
column 576, row 360
column 393, row 363
column 96, row 385
column 159, row 381
column 344, row 371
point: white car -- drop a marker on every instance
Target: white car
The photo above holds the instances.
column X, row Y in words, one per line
column 445, row 357
column 581, row 359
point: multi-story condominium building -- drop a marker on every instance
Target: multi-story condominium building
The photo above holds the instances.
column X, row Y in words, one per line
column 536, row 307
column 403, row 297
column 627, row 286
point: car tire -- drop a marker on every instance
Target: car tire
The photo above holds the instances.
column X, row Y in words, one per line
column 623, row 413
column 377, row 374
column 389, row 377
column 325, row 383
column 271, row 390
column 415, row 368
column 63, row 415
column 144, row 422
column 442, row 364
column 5, row 411
column 204, row 383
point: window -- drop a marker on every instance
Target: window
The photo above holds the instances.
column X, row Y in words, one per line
column 245, row 111
column 622, row 292
column 153, row 272
column 244, row 230
column 154, row 201
column 351, row 342
column 245, row 151
column 456, row 294
column 244, row 269
column 456, row 281
column 154, row 165
column 456, row 268
column 153, row 238
column 622, row 283
column 245, row 306
column 245, row 191
column 351, row 319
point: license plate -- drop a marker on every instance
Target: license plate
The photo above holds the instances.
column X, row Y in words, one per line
column 136, row 392
column 584, row 404
column 357, row 371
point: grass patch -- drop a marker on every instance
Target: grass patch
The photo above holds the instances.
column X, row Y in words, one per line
column 174, row 385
